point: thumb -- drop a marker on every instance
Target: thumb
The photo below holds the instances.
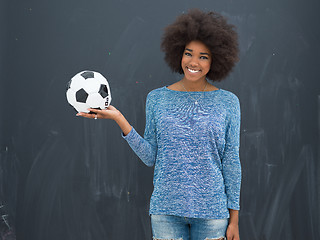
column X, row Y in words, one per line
column 111, row 107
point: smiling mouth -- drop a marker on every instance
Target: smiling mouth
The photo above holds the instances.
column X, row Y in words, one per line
column 192, row 70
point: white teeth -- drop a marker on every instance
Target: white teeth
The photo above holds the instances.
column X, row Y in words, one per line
column 193, row 71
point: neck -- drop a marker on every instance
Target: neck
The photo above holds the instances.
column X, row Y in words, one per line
column 198, row 86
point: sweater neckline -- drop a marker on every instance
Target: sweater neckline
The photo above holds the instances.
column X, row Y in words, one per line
column 166, row 88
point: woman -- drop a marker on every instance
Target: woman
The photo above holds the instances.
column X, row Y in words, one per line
column 192, row 133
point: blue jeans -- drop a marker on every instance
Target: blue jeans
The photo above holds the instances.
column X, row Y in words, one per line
column 183, row 228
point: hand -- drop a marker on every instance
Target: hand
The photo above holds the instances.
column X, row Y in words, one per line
column 109, row 113
column 233, row 232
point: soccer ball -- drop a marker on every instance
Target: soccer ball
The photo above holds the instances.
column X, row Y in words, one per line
column 88, row 89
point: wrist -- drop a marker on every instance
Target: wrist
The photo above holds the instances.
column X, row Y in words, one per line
column 118, row 116
column 234, row 217
column 123, row 123
column 233, row 223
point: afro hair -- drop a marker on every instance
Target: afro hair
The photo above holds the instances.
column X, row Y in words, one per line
column 209, row 28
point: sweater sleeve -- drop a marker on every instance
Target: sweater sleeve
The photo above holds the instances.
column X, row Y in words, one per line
column 145, row 147
column 231, row 161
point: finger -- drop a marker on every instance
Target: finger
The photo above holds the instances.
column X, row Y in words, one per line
column 86, row 115
column 230, row 237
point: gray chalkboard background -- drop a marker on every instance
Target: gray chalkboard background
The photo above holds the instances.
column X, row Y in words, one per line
column 68, row 178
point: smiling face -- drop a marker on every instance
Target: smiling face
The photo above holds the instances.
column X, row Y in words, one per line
column 196, row 61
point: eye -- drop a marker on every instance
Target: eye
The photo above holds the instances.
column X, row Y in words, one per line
column 187, row 54
column 204, row 57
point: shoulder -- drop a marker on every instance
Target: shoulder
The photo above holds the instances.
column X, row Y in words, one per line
column 229, row 97
column 229, row 100
column 156, row 91
column 155, row 94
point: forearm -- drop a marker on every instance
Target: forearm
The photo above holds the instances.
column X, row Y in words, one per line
column 231, row 168
column 144, row 149
column 123, row 123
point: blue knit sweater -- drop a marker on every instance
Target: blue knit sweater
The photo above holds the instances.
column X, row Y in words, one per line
column 192, row 140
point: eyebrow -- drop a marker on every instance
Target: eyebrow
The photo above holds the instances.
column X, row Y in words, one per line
column 190, row 50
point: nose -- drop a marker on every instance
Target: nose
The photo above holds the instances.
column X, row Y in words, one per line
column 194, row 62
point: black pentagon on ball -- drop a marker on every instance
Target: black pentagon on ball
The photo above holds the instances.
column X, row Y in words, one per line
column 87, row 75
column 94, row 112
column 103, row 91
column 81, row 95
column 68, row 84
